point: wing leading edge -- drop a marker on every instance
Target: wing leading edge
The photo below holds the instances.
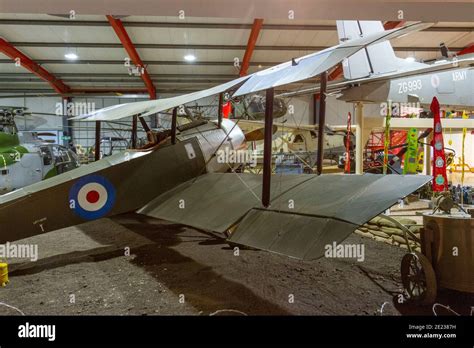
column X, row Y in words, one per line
column 306, row 213
column 304, row 68
column 150, row 107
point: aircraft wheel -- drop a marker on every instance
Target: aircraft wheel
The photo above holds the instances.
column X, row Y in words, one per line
column 418, row 278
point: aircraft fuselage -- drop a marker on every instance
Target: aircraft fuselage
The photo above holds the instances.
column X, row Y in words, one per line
column 453, row 88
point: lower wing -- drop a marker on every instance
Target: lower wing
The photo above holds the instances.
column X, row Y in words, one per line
column 307, row 212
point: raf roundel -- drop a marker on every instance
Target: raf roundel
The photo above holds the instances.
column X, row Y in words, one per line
column 92, row 197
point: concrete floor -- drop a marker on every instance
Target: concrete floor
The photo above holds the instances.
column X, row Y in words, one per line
column 174, row 270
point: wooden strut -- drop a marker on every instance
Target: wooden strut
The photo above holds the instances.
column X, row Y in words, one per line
column 173, row 126
column 219, row 110
column 145, row 126
column 134, row 131
column 66, row 122
column 315, row 108
column 322, row 121
column 267, row 147
column 97, row 141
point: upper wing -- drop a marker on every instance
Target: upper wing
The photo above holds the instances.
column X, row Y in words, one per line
column 150, row 107
column 316, row 63
column 307, row 212
column 285, row 73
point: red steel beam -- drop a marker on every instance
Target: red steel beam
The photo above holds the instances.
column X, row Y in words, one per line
column 13, row 53
column 393, row 24
column 336, row 73
column 467, row 50
column 122, row 34
column 256, row 27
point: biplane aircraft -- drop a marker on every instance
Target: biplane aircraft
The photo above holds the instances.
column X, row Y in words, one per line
column 296, row 145
column 301, row 140
column 178, row 177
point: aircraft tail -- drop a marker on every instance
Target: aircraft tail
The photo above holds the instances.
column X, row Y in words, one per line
column 375, row 59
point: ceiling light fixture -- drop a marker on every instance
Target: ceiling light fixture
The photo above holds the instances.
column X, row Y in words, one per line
column 190, row 58
column 71, row 56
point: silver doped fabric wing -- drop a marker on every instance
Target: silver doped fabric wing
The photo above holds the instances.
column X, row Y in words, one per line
column 306, row 213
column 149, row 107
column 282, row 74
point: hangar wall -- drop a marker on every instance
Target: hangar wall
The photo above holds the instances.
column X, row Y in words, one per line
column 84, row 132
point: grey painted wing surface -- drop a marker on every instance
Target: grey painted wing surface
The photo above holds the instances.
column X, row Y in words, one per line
column 215, row 201
column 299, row 236
column 327, row 209
column 352, row 198
column 306, row 212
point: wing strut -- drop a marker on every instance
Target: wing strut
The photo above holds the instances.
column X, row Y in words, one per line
column 97, row 141
column 145, row 126
column 134, row 131
column 219, row 109
column 173, row 125
column 267, row 147
column 322, row 120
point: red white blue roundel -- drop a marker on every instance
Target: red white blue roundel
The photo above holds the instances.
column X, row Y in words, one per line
column 92, row 197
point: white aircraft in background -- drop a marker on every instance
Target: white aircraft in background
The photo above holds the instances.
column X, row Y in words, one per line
column 375, row 74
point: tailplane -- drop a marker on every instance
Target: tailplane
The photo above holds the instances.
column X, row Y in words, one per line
column 375, row 59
